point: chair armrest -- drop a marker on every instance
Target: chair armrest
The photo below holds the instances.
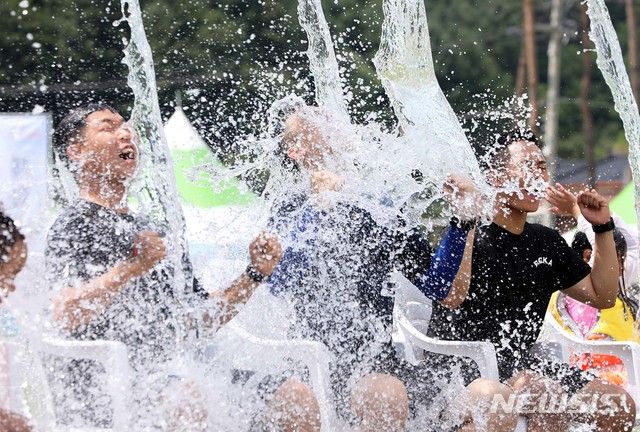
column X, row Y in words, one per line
column 482, row 353
column 628, row 352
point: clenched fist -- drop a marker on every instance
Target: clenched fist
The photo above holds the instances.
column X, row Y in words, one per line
column 593, row 207
column 265, row 251
column 148, row 250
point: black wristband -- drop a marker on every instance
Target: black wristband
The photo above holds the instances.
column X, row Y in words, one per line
column 465, row 225
column 609, row 226
column 255, row 275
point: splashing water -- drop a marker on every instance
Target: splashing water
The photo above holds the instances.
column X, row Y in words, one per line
column 155, row 185
column 156, row 177
column 405, row 65
column 381, row 166
column 322, row 57
column 611, row 64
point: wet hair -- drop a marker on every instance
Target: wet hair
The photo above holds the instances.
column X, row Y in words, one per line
column 9, row 236
column 580, row 243
column 620, row 241
column 496, row 155
column 629, row 304
column 71, row 125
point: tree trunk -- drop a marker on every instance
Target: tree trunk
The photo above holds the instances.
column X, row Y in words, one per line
column 633, row 49
column 585, row 85
column 554, row 53
column 531, row 60
column 521, row 74
column 521, row 79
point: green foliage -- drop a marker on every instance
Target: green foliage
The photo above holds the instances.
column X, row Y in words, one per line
column 231, row 59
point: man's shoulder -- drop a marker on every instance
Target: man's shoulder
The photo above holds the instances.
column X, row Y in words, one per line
column 531, row 229
column 70, row 216
column 80, row 224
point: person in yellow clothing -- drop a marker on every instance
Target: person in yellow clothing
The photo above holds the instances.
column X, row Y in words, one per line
column 618, row 323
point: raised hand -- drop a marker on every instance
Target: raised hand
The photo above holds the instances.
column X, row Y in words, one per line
column 325, row 180
column 265, row 251
column 563, row 201
column 593, row 207
column 148, row 250
column 461, row 194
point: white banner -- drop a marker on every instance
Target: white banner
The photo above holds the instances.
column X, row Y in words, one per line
column 24, row 143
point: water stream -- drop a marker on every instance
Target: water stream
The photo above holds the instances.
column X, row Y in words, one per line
column 322, row 57
column 154, row 189
column 404, row 64
column 611, row 64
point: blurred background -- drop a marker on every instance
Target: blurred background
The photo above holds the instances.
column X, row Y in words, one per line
column 225, row 62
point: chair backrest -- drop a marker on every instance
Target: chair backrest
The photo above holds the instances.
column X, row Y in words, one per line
column 268, row 356
column 628, row 352
column 409, row 302
column 112, row 356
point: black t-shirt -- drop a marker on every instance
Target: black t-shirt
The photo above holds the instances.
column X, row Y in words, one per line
column 336, row 274
column 513, row 278
column 86, row 241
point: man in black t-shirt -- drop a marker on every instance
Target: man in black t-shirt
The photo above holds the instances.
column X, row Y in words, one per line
column 107, row 266
column 515, row 268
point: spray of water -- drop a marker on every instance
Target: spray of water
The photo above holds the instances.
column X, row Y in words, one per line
column 611, row 64
column 322, row 57
column 383, row 170
column 155, row 186
column 405, row 66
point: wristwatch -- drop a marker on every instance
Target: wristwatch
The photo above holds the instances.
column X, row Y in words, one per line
column 255, row 275
column 609, row 226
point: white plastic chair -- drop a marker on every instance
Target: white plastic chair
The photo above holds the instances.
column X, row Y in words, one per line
column 29, row 385
column 411, row 316
column 268, row 355
column 112, row 355
column 628, row 352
